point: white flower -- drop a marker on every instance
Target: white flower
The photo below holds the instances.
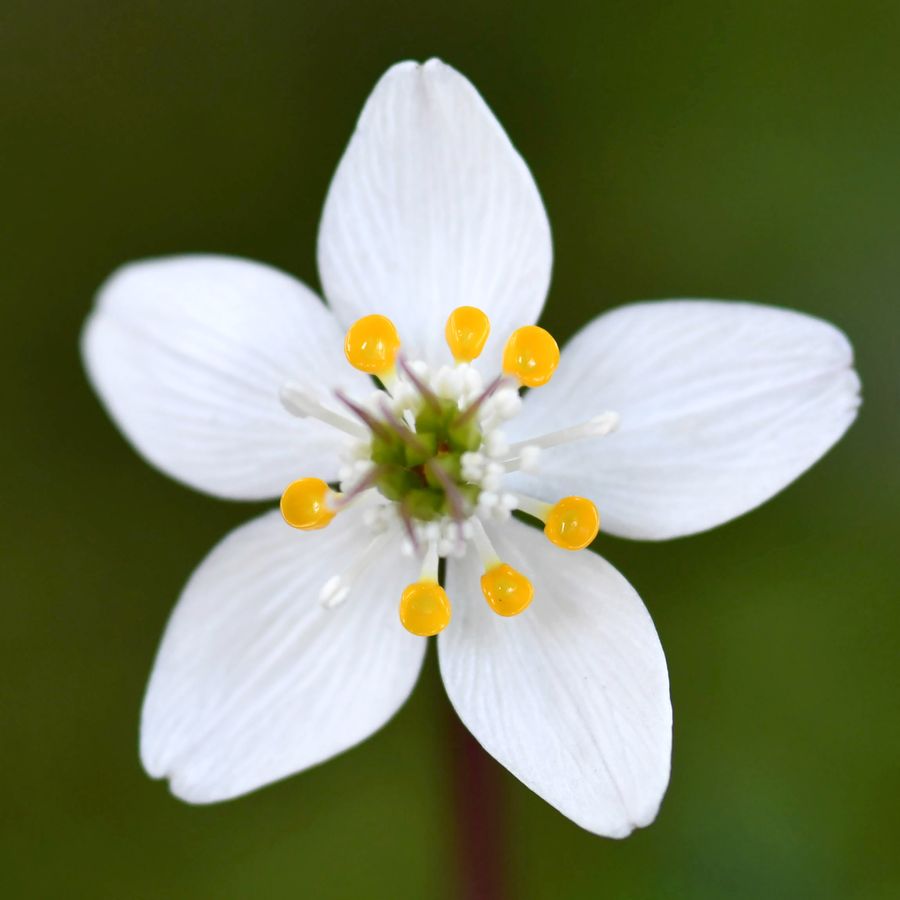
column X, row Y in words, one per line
column 285, row 647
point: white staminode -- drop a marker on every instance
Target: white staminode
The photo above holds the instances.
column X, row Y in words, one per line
column 447, row 535
column 597, row 426
column 301, row 402
column 504, row 404
column 336, row 590
column 498, row 506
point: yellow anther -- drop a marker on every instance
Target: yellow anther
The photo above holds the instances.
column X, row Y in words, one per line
column 572, row 523
column 303, row 504
column 466, row 332
column 424, row 608
column 531, row 355
column 507, row 591
column 371, row 345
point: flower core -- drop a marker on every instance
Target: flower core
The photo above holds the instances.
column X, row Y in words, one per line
column 420, row 467
column 428, row 451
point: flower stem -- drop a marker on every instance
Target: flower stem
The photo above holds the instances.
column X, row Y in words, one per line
column 481, row 826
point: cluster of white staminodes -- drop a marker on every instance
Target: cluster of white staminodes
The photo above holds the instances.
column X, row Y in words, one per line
column 485, row 467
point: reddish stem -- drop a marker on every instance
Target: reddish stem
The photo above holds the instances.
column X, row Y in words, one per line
column 479, row 815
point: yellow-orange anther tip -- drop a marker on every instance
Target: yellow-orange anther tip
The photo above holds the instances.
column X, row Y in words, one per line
column 507, row 591
column 303, row 504
column 424, row 608
column 572, row 523
column 371, row 344
column 531, row 355
column 467, row 332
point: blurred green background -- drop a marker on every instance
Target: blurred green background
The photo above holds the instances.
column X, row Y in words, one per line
column 717, row 149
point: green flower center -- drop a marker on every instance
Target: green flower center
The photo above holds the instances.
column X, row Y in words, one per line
column 421, row 469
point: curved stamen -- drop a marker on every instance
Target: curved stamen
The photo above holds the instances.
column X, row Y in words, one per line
column 428, row 395
column 475, row 405
column 405, row 434
column 363, row 414
column 360, row 487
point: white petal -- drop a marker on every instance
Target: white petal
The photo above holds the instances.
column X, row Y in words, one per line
column 721, row 404
column 432, row 208
column 188, row 355
column 572, row 695
column 256, row 680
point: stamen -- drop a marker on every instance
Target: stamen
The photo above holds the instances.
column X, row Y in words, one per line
column 424, row 605
column 454, row 497
column 428, row 395
column 597, row 426
column 402, row 431
column 507, row 591
column 304, row 504
column 360, row 487
column 364, row 415
column 475, row 405
column 526, row 461
column 571, row 523
column 504, row 405
column 486, row 552
column 467, row 332
column 390, row 381
column 371, row 345
column 531, row 355
column 301, row 403
column 537, row 508
column 338, row 587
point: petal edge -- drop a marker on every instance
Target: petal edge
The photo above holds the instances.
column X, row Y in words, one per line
column 254, row 680
column 571, row 695
column 721, row 404
column 431, row 208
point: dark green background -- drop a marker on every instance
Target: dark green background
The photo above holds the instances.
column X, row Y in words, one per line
column 718, row 149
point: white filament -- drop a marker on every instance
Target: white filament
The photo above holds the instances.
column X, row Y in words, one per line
column 336, row 590
column 430, row 563
column 594, row 427
column 298, row 401
column 534, row 507
column 483, row 545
